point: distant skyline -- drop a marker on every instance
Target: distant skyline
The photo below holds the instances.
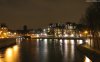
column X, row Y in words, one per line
column 39, row 13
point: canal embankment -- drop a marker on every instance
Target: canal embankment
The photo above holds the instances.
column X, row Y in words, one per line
column 91, row 53
column 7, row 42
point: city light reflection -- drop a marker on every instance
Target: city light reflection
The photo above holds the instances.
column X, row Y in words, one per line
column 45, row 44
column 61, row 40
column 1, row 60
column 88, row 41
column 72, row 41
column 15, row 48
column 65, row 49
column 18, row 40
column 87, row 59
column 37, row 42
column 80, row 41
column 11, row 54
column 43, row 47
column 1, row 57
column 72, row 52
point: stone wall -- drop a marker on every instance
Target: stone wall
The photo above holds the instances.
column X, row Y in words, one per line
column 93, row 54
column 7, row 42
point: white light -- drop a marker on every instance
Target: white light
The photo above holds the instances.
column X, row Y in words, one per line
column 66, row 35
column 37, row 35
column 45, row 40
column 80, row 41
column 45, row 34
column 60, row 40
column 45, row 43
column 44, row 30
column 66, row 42
column 15, row 33
column 48, row 29
column 15, row 48
column 72, row 41
column 80, row 35
column 72, row 35
column 37, row 42
column 87, row 59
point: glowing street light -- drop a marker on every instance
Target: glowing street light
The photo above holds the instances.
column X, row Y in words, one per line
column 85, row 32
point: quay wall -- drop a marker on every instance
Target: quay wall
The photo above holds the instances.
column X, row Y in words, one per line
column 7, row 42
column 91, row 53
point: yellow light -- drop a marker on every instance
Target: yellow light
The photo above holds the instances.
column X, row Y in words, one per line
column 4, row 33
column 72, row 35
column 15, row 33
column 2, row 37
column 8, row 32
column 15, row 48
column 37, row 35
column 66, row 35
column 0, row 31
column 86, row 32
column 9, row 52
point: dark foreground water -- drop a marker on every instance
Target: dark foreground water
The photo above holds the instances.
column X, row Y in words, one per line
column 42, row 50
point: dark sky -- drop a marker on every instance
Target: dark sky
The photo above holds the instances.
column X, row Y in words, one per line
column 39, row 13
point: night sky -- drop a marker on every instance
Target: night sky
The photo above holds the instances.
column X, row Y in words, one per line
column 39, row 13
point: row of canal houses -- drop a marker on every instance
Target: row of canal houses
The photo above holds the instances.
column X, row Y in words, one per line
column 5, row 32
column 67, row 29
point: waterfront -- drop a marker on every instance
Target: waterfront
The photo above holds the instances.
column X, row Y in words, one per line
column 42, row 50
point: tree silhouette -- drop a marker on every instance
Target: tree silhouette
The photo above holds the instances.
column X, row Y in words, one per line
column 93, row 16
column 92, row 20
column 3, row 25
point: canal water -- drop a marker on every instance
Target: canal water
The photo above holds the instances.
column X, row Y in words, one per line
column 42, row 50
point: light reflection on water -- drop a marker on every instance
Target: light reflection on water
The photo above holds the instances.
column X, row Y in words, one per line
column 47, row 51
column 87, row 59
column 89, row 42
column 79, row 41
column 10, row 54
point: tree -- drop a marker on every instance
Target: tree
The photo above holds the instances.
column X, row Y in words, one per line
column 3, row 25
column 92, row 20
column 93, row 16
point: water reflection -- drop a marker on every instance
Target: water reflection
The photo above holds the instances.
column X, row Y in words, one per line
column 72, row 41
column 87, row 59
column 79, row 41
column 90, row 42
column 43, row 50
column 10, row 54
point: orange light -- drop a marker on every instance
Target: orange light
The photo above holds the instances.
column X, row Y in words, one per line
column 86, row 32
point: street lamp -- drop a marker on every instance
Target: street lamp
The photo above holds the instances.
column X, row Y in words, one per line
column 86, row 33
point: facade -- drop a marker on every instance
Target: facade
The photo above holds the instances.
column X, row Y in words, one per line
column 67, row 29
column 3, row 31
